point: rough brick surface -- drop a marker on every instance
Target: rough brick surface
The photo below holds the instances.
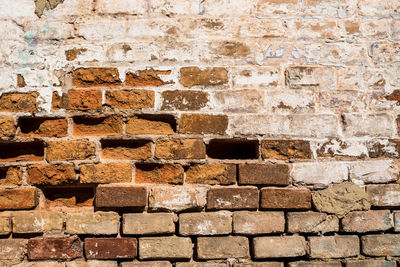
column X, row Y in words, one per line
column 105, row 173
column 165, row 248
column 84, row 99
column 98, row 223
column 70, row 150
column 210, row 223
column 130, row 99
column 254, row 223
column 380, row 245
column 138, row 125
column 264, row 174
column 285, row 198
column 95, row 77
column 334, row 246
column 37, row 222
column 285, row 149
column 311, row 222
column 54, row 248
column 120, row 196
column 110, row 248
column 279, row 247
column 194, row 76
column 233, row 198
column 223, row 247
column 51, row 174
column 211, row 174
column 149, row 223
column 18, row 198
column 367, row 221
column 180, row 149
column 203, row 124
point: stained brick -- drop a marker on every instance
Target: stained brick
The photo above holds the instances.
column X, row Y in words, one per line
column 279, row 247
column 149, row 223
column 381, row 245
column 110, row 248
column 19, row 102
column 326, row 247
column 47, row 127
column 159, row 173
column 130, row 99
column 18, row 198
column 223, row 174
column 5, row 225
column 311, row 222
column 7, row 127
column 111, row 125
column 209, row 223
column 203, row 124
column 194, row 76
column 264, row 174
column 10, row 176
column 126, row 149
column 233, row 198
column 11, row 249
column 51, row 174
column 84, row 99
column 106, row 173
column 254, row 223
column 180, row 149
column 172, row 247
column 120, row 196
column 93, row 223
column 145, row 78
column 184, row 100
column 223, row 247
column 95, row 77
column 37, row 222
column 54, row 248
column 383, row 195
column 70, row 150
column 370, row 263
column 367, row 221
column 285, row 149
column 285, row 198
column 150, row 125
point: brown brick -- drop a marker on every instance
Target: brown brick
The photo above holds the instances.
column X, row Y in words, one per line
column 27, row 222
column 170, row 247
column 126, row 149
column 204, row 264
column 70, row 150
column 159, row 173
column 315, row 264
column 7, row 127
column 92, row 223
column 223, row 174
column 21, row 151
column 110, row 248
column 223, row 247
column 106, row 173
column 120, row 197
column 144, row 264
column 311, row 222
column 54, row 248
column 20, row 81
column 381, row 245
column 259, row 264
column 72, row 54
column 285, row 198
column 138, row 125
column 264, row 174
column 382, row 195
column 130, row 99
column 96, row 77
column 11, row 249
column 51, row 174
column 325, row 247
column 48, row 127
column 57, row 101
column 84, row 99
column 205, row 223
column 184, row 100
column 149, row 223
column 10, row 176
column 5, row 225
column 193, row 76
column 148, row 77
column 370, row 263
column 255, row 223
column 111, row 125
column 279, row 247
column 233, row 198
column 203, row 124
column 367, row 221
column 18, row 198
column 19, row 102
column 180, row 149
column 286, row 149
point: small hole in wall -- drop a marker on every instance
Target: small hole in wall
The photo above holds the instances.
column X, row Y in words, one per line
column 233, row 149
column 69, row 196
column 170, row 119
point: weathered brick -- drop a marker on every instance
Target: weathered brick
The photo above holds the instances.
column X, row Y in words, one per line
column 54, row 248
column 384, row 195
column 264, row 174
column 315, row 264
column 237, row 101
column 18, row 198
column 126, row 149
column 149, row 223
column 130, row 99
column 373, row 171
column 84, row 99
column 326, row 247
column 279, row 247
column 147, row 264
column 233, row 198
column 111, row 125
column 51, row 174
column 70, row 150
column 305, row 77
column 311, row 222
column 285, row 198
column 194, row 76
column 26, row 222
column 286, row 149
column 42, row 263
column 48, row 127
column 95, row 77
column 68, row 196
column 11, row 249
column 159, row 173
column 180, row 149
column 19, row 102
column 184, row 100
column 203, row 124
column 366, row 125
column 319, row 173
column 254, row 223
column 396, row 216
column 10, row 176
column 7, row 127
column 165, row 248
column 259, row 264
column 97, row 223
column 120, row 196
column 106, row 173
column 370, row 263
column 223, row 247
column 5, row 225
column 367, row 221
column 381, row 245
column 145, row 78
column 110, row 248
column 138, row 125
column 223, row 174
column 209, row 223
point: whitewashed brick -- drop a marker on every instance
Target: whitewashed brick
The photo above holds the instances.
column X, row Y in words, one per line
column 381, row 125
column 373, row 171
column 319, row 173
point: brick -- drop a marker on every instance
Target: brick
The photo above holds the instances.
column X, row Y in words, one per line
column 5, row 225
column 180, row 149
column 233, row 198
column 264, row 174
column 223, row 247
column 381, row 245
column 285, row 198
column 311, row 222
column 110, row 248
column 223, row 174
column 92, row 223
column 203, row 124
column 145, row 78
column 19, row 102
column 365, row 125
column 254, row 223
column 238, row 101
column 126, row 149
column 68, row 196
column 106, row 173
column 209, row 223
column 111, row 125
column 321, row 173
column 84, row 99
column 172, row 247
column 130, row 99
column 147, row 264
column 95, row 77
column 7, row 127
column 43, row 127
column 70, row 150
column 120, row 196
column 11, row 249
column 184, row 100
column 21, row 151
column 325, row 247
column 177, row 198
column 18, row 198
column 159, row 173
column 373, row 171
column 92, row 263
column 279, row 247
column 232, row 149
column 149, row 223
column 42, row 263
column 367, row 221
column 138, row 125
column 194, row 76
column 396, row 216
column 285, row 149
column 315, row 264
column 370, row 263
column 304, row 77
column 260, row 264
column 51, row 174
column 255, row 77
column 384, row 195
column 54, row 248
column 26, row 222
column 10, row 176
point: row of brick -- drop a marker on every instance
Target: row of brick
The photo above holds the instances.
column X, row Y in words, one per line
column 184, row 198
column 198, row 223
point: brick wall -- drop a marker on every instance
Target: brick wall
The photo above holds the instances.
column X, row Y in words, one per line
column 199, row 133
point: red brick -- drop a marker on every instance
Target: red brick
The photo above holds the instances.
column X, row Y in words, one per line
column 70, row 150
column 184, row 100
column 18, row 198
column 47, row 127
column 285, row 198
column 223, row 174
column 54, row 248
column 110, row 248
column 194, row 76
column 232, row 198
column 120, row 197
column 203, row 124
column 264, row 174
column 87, row 126
column 51, row 174
column 96, row 77
column 84, row 99
column 148, row 77
column 159, row 173
column 130, row 99
column 126, row 149
column 105, row 173
column 180, row 149
column 19, row 102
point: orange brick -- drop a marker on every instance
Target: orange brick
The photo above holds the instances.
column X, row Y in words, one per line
column 130, row 99
column 86, row 126
column 159, row 173
column 203, row 124
column 49, row 127
column 96, row 77
column 18, row 198
column 84, row 99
